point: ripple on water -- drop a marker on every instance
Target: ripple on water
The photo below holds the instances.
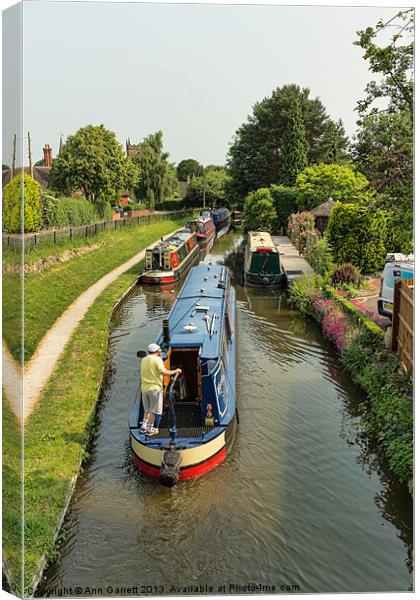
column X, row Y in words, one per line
column 301, row 499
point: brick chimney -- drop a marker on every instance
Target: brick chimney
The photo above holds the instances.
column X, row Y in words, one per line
column 47, row 155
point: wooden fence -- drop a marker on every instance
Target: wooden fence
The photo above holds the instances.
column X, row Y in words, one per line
column 84, row 231
column 402, row 322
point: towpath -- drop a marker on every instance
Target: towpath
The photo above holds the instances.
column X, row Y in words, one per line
column 35, row 374
column 294, row 265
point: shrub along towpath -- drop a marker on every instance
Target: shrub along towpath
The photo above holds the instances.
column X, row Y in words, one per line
column 37, row 372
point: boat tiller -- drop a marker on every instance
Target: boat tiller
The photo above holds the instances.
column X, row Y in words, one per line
column 169, row 469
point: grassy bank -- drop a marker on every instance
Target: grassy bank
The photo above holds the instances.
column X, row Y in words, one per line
column 49, row 293
column 388, row 410
column 12, row 494
column 56, row 434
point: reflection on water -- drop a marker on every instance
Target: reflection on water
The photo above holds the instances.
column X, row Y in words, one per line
column 301, row 500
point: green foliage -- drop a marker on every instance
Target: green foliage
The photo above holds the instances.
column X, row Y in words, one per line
column 93, row 161
column 259, row 211
column 356, row 234
column 209, row 189
column 383, row 149
column 157, row 180
column 295, row 149
column 302, row 290
column 188, row 169
column 285, row 202
column 388, row 414
column 63, row 212
column 394, row 61
column 12, row 204
column 255, row 157
column 320, row 257
column 340, row 182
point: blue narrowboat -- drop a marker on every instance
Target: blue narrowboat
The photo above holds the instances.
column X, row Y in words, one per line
column 200, row 417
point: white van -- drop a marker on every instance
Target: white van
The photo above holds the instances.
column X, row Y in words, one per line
column 400, row 266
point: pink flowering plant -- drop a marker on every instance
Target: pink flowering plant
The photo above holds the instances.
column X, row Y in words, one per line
column 335, row 324
column 301, row 229
column 369, row 313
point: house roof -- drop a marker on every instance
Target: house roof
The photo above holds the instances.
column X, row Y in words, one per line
column 41, row 175
column 324, row 209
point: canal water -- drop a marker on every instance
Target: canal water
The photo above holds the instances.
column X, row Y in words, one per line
column 302, row 500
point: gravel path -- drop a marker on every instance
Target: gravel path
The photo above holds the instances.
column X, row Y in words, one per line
column 23, row 398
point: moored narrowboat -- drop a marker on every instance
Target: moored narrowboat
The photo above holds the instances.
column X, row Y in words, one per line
column 205, row 231
column 221, row 219
column 199, row 422
column 262, row 261
column 170, row 259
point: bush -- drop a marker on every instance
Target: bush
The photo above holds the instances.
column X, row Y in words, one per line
column 345, row 273
column 64, row 212
column 259, row 211
column 356, row 234
column 320, row 257
column 388, row 412
column 285, row 202
column 12, row 205
column 302, row 291
column 175, row 205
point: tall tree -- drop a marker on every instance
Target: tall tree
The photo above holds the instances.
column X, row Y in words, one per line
column 188, row 169
column 294, row 156
column 209, row 189
column 254, row 158
column 156, row 179
column 340, row 182
column 383, row 146
column 394, row 62
column 92, row 160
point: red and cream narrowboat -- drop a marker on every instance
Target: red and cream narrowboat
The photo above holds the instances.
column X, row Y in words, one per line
column 205, row 231
column 170, row 259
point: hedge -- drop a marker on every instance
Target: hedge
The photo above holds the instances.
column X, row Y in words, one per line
column 358, row 317
column 356, row 234
column 63, row 212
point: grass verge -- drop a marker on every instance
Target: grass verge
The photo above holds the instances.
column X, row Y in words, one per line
column 49, row 293
column 12, row 496
column 57, row 433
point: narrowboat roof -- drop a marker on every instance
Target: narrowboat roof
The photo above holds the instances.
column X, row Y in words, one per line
column 219, row 211
column 201, row 219
column 171, row 243
column 197, row 316
column 261, row 239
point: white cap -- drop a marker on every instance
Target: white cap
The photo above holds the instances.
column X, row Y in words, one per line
column 152, row 348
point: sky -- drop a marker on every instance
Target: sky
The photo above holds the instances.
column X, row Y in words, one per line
column 193, row 71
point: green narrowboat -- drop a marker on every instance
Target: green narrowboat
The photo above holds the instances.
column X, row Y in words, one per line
column 262, row 261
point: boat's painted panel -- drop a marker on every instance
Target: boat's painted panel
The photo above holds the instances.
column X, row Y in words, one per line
column 189, row 456
column 187, row 472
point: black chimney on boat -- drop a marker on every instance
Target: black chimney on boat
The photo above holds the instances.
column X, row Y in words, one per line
column 166, row 334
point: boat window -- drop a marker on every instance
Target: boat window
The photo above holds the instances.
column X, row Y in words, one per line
column 200, row 227
column 182, row 252
column 156, row 260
